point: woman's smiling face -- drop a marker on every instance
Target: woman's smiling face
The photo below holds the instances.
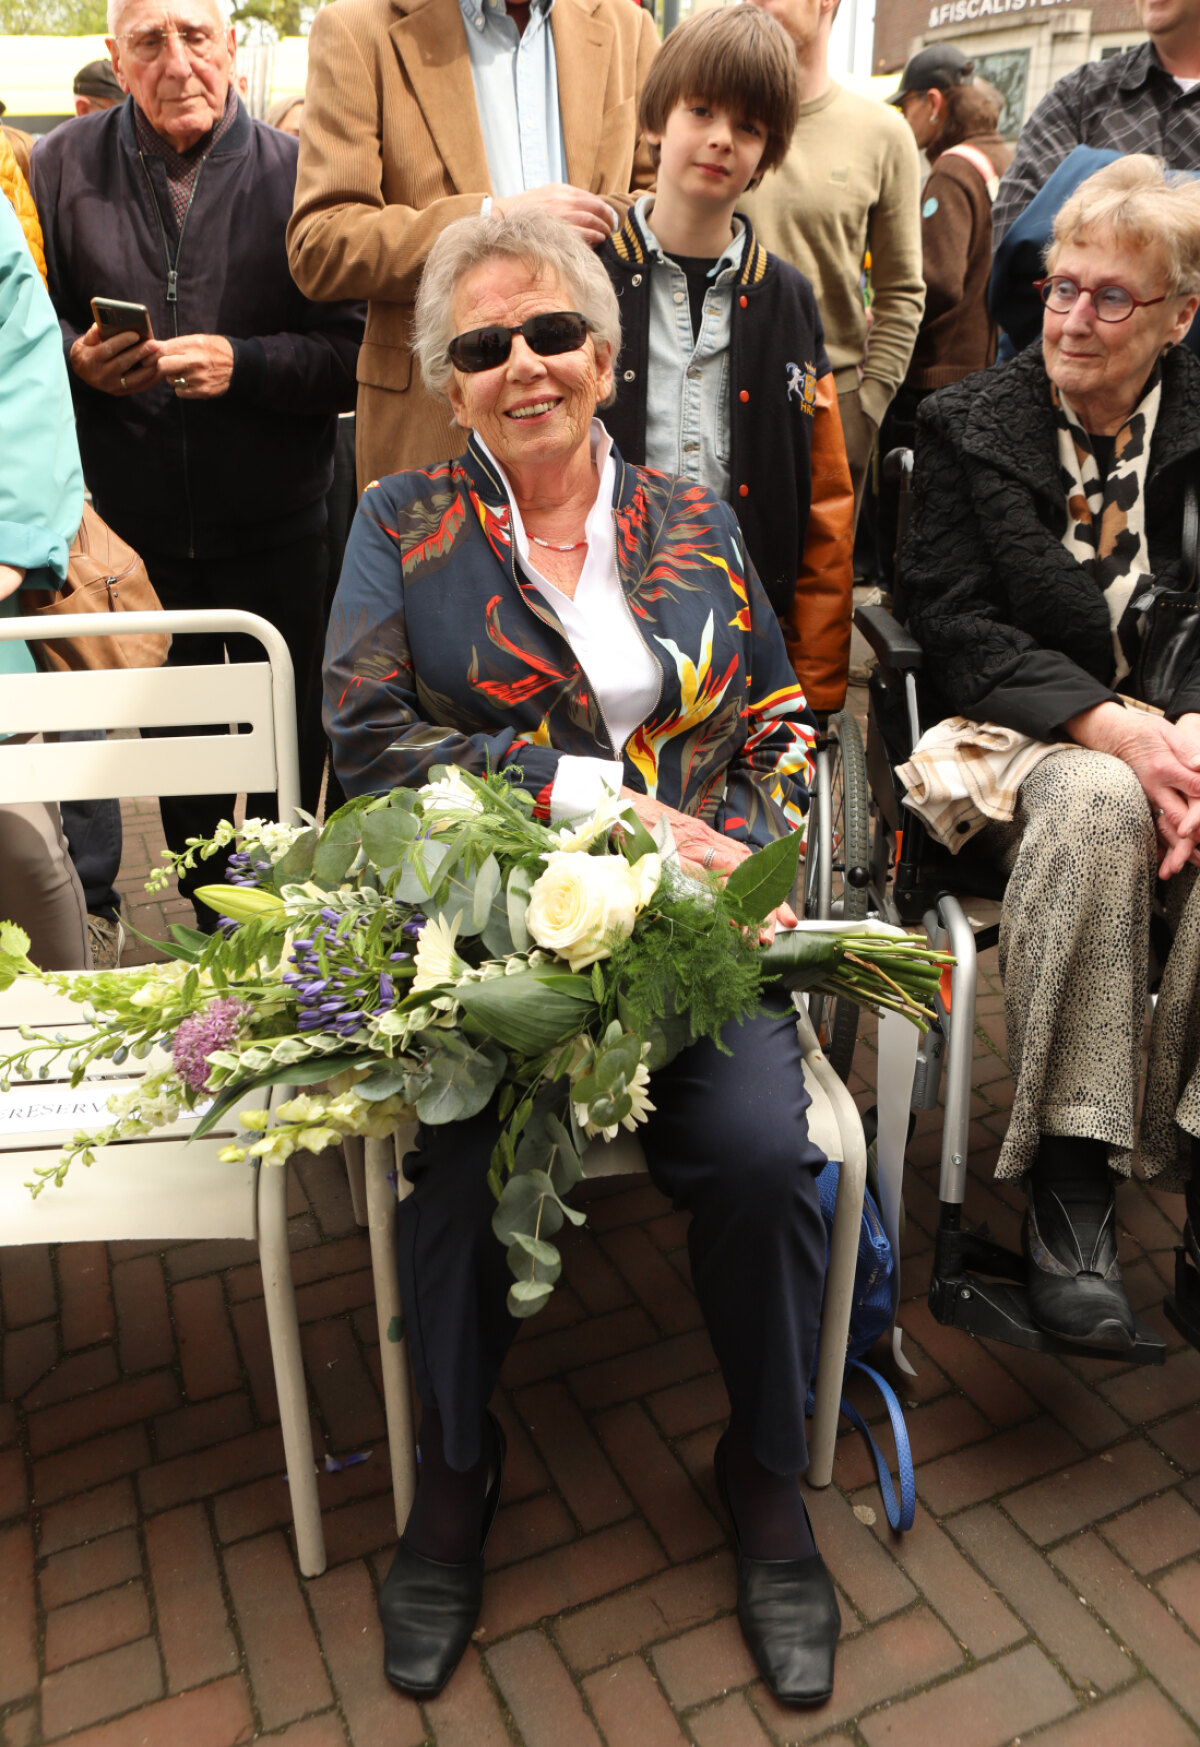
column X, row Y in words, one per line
column 528, row 410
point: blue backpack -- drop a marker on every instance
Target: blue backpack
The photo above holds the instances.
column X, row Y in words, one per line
column 871, row 1315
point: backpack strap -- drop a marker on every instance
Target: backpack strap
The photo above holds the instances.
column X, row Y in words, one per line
column 900, row 1516
column 980, row 162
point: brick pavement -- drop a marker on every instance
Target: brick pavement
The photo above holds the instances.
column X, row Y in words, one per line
column 149, row 1595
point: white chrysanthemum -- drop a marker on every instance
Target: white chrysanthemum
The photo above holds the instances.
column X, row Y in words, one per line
column 435, row 958
column 641, row 1109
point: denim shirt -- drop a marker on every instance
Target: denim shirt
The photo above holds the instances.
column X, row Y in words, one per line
column 516, row 93
column 687, row 393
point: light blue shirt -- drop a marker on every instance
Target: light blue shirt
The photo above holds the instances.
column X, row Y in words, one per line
column 687, row 394
column 515, row 75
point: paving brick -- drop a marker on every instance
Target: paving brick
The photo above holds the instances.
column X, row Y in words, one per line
column 87, row 1308
column 994, row 1466
column 730, row 1723
column 467, row 1713
column 1150, row 1391
column 360, row 1528
column 85, row 1518
column 102, row 1622
column 630, row 1708
column 347, row 1256
column 342, row 1384
column 1179, row 1438
column 1051, row 1610
column 277, row 1636
column 1156, row 1533
column 18, row 1618
column 661, row 1488
column 14, row 1485
column 102, row 1410
column 327, row 1187
column 679, row 1598
column 530, row 1527
column 145, row 1337
column 102, row 1687
column 1071, row 1400
column 703, row 1663
column 622, row 1378
column 974, row 1613
column 890, row 1659
column 655, row 1283
column 969, row 1364
column 986, row 1708
column 323, row 1731
column 1137, row 1617
column 1141, row 1714
column 193, row 1631
column 336, row 1296
column 26, row 1285
column 567, row 1577
column 1180, row 1589
column 208, row 1422
column 933, row 1428
column 8, row 1424
column 254, row 1345
column 1087, row 1491
column 97, row 1565
column 539, row 1692
column 21, row 1727
column 90, row 1464
column 684, row 1407
column 524, row 1471
column 210, row 1471
column 594, row 1280
column 581, row 1470
column 217, row 1715
column 343, row 1602
column 28, row 1354
column 187, row 1261
column 859, row 1565
column 536, row 1357
column 75, row 1375
column 206, row 1347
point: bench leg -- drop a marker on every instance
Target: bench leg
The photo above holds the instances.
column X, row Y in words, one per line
column 280, row 1295
column 381, row 1158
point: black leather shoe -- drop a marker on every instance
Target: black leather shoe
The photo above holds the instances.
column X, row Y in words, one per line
column 428, row 1608
column 788, row 1613
column 1074, row 1280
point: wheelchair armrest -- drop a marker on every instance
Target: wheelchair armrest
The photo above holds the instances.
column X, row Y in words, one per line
column 893, row 645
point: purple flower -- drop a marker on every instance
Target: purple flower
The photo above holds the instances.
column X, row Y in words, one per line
column 195, row 1038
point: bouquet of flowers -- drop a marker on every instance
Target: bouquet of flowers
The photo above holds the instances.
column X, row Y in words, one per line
column 428, row 950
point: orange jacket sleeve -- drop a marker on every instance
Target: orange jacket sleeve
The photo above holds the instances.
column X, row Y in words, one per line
column 816, row 627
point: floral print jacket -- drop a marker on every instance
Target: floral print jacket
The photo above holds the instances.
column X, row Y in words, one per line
column 440, row 651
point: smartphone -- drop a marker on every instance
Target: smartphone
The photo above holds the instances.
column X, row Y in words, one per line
column 113, row 317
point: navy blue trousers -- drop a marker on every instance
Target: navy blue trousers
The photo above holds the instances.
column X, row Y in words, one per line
column 728, row 1142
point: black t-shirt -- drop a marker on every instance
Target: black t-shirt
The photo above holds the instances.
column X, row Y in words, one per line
column 696, row 270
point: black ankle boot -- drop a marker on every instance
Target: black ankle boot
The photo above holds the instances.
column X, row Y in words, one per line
column 1070, row 1243
column 1191, row 1197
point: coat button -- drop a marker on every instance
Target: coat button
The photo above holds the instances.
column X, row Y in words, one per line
column 744, row 396
column 637, row 279
column 742, row 302
column 743, row 491
column 629, row 375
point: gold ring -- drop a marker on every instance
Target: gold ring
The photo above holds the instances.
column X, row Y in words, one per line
column 180, row 381
column 122, row 382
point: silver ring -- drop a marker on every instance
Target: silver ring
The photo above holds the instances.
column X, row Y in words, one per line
column 1159, row 811
column 709, row 857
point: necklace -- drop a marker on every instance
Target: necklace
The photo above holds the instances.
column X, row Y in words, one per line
column 554, row 546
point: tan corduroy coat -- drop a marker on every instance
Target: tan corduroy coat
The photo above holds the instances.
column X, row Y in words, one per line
column 391, row 152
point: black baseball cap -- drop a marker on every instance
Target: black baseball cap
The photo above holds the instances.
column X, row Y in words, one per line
column 935, row 69
column 97, row 79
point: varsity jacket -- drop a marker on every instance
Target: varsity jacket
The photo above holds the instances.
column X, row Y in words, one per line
column 440, row 651
column 790, row 483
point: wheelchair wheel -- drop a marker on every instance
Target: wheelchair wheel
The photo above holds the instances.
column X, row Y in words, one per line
column 836, row 868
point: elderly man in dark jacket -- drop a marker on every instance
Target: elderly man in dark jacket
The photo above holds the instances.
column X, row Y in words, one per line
column 209, row 445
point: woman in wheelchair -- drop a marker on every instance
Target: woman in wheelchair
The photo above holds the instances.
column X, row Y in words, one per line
column 540, row 607
column 1049, row 496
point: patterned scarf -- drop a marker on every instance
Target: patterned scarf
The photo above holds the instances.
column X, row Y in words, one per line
column 183, row 167
column 1106, row 518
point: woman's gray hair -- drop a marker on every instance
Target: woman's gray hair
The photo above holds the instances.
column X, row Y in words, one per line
column 543, row 245
column 1138, row 204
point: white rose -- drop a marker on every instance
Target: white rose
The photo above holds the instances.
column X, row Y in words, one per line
column 581, row 901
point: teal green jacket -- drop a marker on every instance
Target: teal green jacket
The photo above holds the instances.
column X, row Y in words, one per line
column 41, row 483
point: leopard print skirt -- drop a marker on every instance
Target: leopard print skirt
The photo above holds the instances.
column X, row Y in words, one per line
column 1081, row 854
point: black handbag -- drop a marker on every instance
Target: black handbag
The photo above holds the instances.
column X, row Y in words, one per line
column 1169, row 645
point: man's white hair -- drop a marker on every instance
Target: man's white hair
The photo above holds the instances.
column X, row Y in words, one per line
column 222, row 8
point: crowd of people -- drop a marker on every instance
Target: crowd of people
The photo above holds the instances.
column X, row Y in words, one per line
column 585, row 316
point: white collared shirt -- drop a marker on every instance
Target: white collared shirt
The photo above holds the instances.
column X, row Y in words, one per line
column 626, row 679
column 515, row 75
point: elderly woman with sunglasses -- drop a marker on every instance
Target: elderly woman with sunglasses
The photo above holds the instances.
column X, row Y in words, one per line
column 1049, row 494
column 541, row 608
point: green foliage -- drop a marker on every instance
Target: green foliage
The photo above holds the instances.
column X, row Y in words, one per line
column 53, row 18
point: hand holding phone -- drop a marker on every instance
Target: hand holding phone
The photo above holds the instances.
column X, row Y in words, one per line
column 113, row 317
column 114, row 356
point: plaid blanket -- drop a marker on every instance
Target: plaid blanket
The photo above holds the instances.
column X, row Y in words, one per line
column 963, row 774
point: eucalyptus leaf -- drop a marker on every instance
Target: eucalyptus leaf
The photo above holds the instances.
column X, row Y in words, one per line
column 296, row 864
column 521, row 1012
column 533, row 1258
column 388, row 1080
column 460, row 1079
column 487, row 886
column 422, row 869
column 526, row 1297
column 520, row 884
column 765, row 879
column 386, row 835
column 567, row 1169
column 529, row 1204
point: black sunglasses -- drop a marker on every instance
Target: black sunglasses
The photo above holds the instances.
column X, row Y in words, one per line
column 559, row 330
